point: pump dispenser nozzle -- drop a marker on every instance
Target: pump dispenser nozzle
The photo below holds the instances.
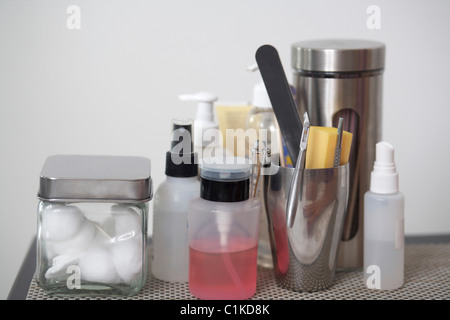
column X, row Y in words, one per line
column 181, row 128
column 181, row 160
column 205, row 115
column 384, row 178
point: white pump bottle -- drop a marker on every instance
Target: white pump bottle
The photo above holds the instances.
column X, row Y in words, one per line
column 206, row 129
column 384, row 224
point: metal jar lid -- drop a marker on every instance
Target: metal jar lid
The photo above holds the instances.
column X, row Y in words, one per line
column 95, row 178
column 338, row 55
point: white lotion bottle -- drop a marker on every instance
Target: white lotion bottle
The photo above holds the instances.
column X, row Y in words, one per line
column 207, row 136
column 384, row 224
column 170, row 250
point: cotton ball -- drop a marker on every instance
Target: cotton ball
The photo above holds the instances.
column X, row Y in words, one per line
column 102, row 237
column 60, row 222
column 127, row 223
column 60, row 264
column 127, row 258
column 127, row 245
column 97, row 266
column 80, row 242
column 109, row 227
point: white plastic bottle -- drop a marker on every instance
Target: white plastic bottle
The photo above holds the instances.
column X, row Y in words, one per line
column 207, row 136
column 384, row 224
column 170, row 252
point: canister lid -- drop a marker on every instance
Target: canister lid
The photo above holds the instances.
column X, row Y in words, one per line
column 338, row 55
column 95, row 178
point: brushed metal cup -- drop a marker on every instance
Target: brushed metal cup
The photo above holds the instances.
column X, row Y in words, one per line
column 305, row 254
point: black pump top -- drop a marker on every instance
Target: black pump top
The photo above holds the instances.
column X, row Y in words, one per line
column 225, row 179
column 181, row 161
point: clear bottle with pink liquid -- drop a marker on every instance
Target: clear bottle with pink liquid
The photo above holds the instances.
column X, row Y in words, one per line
column 223, row 232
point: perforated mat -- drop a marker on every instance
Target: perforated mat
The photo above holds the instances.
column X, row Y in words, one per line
column 427, row 276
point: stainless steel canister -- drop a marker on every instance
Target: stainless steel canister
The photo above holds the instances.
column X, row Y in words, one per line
column 343, row 78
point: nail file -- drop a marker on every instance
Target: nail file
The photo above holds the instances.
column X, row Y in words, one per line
column 280, row 96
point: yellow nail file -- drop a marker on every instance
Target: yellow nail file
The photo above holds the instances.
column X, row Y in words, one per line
column 322, row 146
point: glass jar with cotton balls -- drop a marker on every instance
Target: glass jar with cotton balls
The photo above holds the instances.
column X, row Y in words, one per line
column 92, row 225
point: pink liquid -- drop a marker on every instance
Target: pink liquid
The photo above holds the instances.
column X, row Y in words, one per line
column 228, row 274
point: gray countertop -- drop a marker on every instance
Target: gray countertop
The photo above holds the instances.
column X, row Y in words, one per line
column 427, row 270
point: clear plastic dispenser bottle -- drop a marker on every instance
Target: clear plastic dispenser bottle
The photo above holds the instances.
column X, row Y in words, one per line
column 92, row 225
column 170, row 250
column 223, row 232
column 384, row 224
column 263, row 123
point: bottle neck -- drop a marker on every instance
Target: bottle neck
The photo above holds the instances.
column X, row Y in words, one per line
column 205, row 112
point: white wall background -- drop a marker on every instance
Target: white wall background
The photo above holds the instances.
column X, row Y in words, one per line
column 111, row 87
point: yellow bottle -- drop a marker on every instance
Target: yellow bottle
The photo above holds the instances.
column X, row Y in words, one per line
column 232, row 117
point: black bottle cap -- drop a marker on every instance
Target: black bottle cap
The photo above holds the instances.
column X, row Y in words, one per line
column 225, row 179
column 188, row 166
column 224, row 191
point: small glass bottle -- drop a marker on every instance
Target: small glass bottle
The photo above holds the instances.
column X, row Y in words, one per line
column 264, row 129
column 223, row 232
column 384, row 224
column 170, row 250
column 92, row 225
column 263, row 121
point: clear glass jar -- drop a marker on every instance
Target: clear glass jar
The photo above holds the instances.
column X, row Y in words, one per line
column 91, row 248
column 92, row 226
